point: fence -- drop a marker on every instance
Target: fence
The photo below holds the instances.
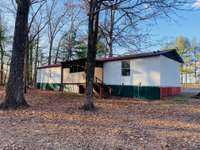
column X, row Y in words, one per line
column 191, row 85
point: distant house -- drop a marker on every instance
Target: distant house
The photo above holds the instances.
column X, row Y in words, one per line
column 150, row 75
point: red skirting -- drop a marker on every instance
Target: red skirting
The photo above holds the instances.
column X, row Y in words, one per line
column 169, row 91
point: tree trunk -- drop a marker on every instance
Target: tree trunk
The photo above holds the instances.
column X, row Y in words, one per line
column 186, row 78
column 36, row 62
column 182, row 79
column 57, row 51
column 69, row 46
column 26, row 65
column 15, row 88
column 7, row 70
column 112, row 22
column 195, row 71
column 2, row 66
column 91, row 55
column 50, row 51
column 30, row 71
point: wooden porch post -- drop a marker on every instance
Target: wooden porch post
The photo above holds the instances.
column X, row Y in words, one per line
column 62, row 85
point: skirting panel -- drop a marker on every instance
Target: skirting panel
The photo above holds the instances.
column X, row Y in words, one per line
column 71, row 88
column 143, row 92
column 49, row 86
column 151, row 93
column 169, row 91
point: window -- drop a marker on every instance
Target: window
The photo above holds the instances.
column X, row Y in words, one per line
column 76, row 68
column 125, row 68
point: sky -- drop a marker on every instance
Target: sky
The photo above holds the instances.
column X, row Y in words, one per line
column 185, row 23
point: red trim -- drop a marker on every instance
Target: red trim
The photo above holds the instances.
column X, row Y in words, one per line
column 50, row 66
column 169, row 91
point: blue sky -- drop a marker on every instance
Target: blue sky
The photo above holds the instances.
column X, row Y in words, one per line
column 165, row 30
column 187, row 24
column 183, row 23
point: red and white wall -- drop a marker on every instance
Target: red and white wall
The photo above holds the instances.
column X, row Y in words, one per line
column 157, row 71
column 170, row 82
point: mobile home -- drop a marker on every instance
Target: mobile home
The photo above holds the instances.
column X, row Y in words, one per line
column 150, row 75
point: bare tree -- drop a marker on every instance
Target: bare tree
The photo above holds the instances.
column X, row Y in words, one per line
column 93, row 23
column 123, row 20
column 107, row 28
column 15, row 86
column 36, row 25
column 75, row 20
column 55, row 24
column 133, row 11
column 58, row 48
column 39, row 23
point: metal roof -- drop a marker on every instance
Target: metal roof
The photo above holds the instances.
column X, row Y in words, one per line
column 49, row 66
column 171, row 54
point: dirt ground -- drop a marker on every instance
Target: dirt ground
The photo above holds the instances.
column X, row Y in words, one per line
column 55, row 122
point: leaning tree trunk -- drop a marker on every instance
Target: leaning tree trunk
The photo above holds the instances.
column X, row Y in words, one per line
column 15, row 86
column 91, row 55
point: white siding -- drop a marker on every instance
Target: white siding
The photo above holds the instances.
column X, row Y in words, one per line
column 145, row 71
column 77, row 77
column 154, row 71
column 112, row 73
column 39, row 75
column 49, row 75
column 53, row 75
column 170, row 72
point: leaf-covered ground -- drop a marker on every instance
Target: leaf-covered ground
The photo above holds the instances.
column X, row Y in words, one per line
column 54, row 121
